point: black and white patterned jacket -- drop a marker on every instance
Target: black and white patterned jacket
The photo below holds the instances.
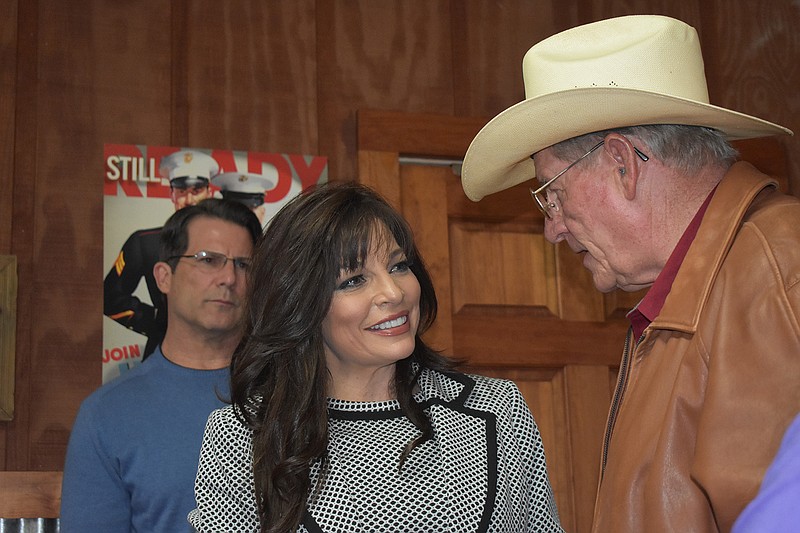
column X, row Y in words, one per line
column 486, row 443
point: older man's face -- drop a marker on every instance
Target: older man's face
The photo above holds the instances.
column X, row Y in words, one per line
column 592, row 219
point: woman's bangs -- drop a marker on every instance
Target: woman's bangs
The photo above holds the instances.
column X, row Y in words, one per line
column 364, row 238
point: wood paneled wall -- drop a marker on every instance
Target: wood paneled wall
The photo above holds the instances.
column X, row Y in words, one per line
column 278, row 76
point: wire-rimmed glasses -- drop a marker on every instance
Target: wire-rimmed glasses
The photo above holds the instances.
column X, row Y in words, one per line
column 215, row 261
column 547, row 203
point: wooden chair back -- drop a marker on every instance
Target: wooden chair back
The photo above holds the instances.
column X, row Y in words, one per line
column 30, row 494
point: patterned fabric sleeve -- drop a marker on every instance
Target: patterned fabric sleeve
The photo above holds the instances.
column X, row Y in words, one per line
column 224, row 486
column 542, row 510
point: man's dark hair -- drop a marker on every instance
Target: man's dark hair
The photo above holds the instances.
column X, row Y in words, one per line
column 175, row 234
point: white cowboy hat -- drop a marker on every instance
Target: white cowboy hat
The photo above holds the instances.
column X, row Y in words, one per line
column 625, row 71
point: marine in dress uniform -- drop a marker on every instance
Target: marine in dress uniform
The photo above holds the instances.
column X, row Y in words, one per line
column 189, row 173
column 248, row 188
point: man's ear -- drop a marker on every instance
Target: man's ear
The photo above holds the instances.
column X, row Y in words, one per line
column 162, row 272
column 629, row 167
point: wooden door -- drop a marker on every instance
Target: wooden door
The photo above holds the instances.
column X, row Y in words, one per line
column 510, row 303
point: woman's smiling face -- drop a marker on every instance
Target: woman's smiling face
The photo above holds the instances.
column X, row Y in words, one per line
column 374, row 313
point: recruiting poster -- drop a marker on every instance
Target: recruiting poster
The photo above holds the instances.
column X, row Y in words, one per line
column 142, row 187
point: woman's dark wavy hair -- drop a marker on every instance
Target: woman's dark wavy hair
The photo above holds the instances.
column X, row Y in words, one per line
column 279, row 377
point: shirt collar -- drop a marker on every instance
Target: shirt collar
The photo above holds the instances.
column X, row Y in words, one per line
column 650, row 306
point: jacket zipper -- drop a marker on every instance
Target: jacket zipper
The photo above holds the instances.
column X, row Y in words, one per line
column 622, row 383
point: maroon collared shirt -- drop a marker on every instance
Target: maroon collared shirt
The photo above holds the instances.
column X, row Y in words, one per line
column 648, row 309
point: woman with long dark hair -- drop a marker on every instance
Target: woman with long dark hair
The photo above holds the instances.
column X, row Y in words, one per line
column 342, row 419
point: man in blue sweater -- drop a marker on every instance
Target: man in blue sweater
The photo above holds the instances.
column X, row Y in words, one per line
column 134, row 447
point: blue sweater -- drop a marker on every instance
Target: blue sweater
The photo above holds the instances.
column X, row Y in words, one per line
column 133, row 452
column 776, row 508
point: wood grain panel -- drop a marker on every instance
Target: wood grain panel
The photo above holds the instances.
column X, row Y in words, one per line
column 22, row 245
column 495, row 267
column 534, row 340
column 578, row 299
column 394, row 55
column 8, row 332
column 251, row 73
column 8, row 69
column 8, row 102
column 179, row 74
column 769, row 156
column 752, row 77
column 587, row 398
column 102, row 89
column 427, row 215
column 750, row 50
column 514, row 206
column 410, row 134
column 550, row 413
column 688, row 10
column 381, row 171
column 69, row 338
column 491, row 38
column 543, row 391
column 30, row 494
column 497, row 35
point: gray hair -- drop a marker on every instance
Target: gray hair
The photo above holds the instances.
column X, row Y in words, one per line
column 687, row 148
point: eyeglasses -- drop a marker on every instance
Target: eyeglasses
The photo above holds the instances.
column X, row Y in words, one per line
column 215, row 261
column 547, row 203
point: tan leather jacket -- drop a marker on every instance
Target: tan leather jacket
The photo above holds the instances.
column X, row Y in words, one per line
column 715, row 380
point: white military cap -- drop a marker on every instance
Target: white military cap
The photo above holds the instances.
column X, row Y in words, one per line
column 244, row 187
column 189, row 168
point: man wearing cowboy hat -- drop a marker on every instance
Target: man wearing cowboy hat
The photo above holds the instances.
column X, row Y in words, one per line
column 635, row 174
